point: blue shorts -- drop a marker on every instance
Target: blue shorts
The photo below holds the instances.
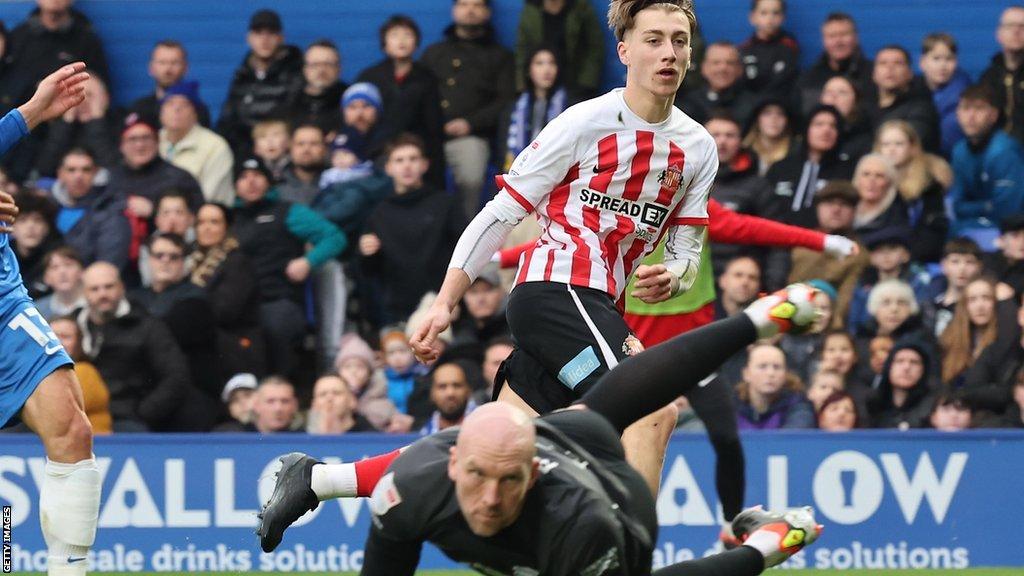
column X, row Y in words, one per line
column 29, row 352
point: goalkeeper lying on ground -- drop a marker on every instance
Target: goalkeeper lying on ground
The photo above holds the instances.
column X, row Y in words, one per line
column 553, row 495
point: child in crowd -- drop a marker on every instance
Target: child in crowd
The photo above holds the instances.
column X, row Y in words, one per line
column 824, row 383
column 771, row 56
column 348, row 161
column 803, row 349
column 402, row 368
column 961, row 263
column 271, row 140
column 946, row 80
column 950, row 414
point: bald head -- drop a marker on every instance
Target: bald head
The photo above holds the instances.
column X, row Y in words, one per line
column 493, row 465
column 103, row 290
column 498, row 428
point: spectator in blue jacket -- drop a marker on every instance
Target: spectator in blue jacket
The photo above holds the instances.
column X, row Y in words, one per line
column 947, row 81
column 91, row 218
column 988, row 165
column 273, row 235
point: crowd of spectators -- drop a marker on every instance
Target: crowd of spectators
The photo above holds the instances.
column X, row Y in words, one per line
column 224, row 271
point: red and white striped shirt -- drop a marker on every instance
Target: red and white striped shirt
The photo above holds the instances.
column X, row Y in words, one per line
column 605, row 186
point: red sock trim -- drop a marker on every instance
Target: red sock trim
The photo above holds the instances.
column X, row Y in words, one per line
column 369, row 471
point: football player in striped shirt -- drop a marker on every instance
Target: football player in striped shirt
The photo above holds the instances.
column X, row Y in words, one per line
column 607, row 180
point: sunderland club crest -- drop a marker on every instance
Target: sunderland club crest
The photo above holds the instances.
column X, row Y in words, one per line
column 671, row 178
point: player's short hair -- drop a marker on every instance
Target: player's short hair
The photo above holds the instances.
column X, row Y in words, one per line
column 260, row 129
column 622, row 13
column 399, row 21
column 173, row 193
column 176, row 239
column 839, row 17
column 980, row 93
column 897, row 48
column 963, row 246
column 63, row 252
column 404, row 139
column 170, row 43
column 936, row 39
column 754, row 3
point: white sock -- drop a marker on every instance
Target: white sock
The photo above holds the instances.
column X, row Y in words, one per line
column 764, row 541
column 334, row 481
column 69, row 507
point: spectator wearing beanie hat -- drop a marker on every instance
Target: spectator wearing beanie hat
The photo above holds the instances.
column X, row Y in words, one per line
column 193, row 148
column 273, row 234
column 348, row 159
column 357, row 365
column 142, row 175
column 361, row 111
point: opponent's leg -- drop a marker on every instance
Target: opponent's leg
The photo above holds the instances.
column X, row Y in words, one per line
column 646, row 442
column 508, row 395
column 654, row 378
column 714, row 406
column 69, row 499
column 769, row 539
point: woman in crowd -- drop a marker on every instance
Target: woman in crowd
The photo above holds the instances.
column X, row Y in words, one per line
column 879, row 205
column 219, row 267
column 333, row 410
column 979, row 323
column 542, row 100
column 838, row 413
column 894, row 312
column 841, row 93
column 770, row 134
column 989, row 382
column 769, row 397
column 921, row 180
column 94, row 389
column 903, row 399
column 800, row 175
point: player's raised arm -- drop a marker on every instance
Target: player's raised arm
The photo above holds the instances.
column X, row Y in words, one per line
column 8, row 212
column 55, row 95
column 532, row 177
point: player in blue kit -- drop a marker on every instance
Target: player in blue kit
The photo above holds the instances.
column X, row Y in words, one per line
column 37, row 383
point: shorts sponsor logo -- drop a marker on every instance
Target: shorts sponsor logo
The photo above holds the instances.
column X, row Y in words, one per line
column 577, row 369
column 648, row 213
